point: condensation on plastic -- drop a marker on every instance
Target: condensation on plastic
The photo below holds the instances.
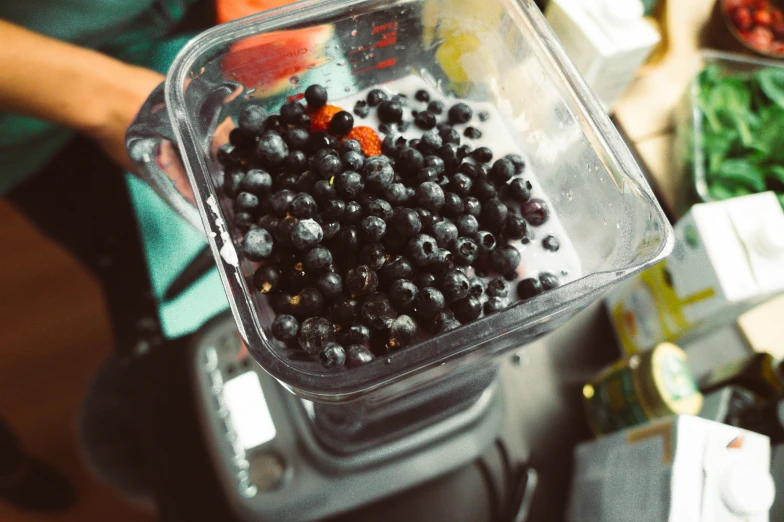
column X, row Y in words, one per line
column 500, row 51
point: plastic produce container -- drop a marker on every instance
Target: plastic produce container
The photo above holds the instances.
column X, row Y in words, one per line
column 500, row 51
column 692, row 160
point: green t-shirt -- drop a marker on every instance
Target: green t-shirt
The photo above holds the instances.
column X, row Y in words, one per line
column 132, row 31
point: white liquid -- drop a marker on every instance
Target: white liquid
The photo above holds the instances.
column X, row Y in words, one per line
column 565, row 263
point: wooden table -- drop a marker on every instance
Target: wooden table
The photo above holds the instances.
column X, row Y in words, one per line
column 645, row 110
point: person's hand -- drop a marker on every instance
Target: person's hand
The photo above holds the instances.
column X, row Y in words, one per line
column 121, row 103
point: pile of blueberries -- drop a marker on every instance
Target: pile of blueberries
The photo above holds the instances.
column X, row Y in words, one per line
column 362, row 255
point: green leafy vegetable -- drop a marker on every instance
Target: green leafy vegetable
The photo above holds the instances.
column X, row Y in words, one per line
column 771, row 81
column 741, row 172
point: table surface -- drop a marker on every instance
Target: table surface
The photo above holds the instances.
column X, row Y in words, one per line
column 645, row 110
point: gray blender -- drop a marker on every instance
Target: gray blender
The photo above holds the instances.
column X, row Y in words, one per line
column 286, row 434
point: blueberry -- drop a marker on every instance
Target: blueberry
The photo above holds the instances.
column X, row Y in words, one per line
column 347, row 239
column 494, row 305
column 257, row 182
column 359, row 334
column 460, row 184
column 425, row 120
column 409, row 160
column 396, row 269
column 361, row 280
column 266, row 279
column 476, row 287
column 551, row 243
column 296, row 162
column 455, row 286
column 494, row 214
column 321, row 140
column 268, row 221
column 505, row 259
column 349, row 184
column 549, row 281
column 390, row 145
column 449, row 135
column 318, row 259
column 445, row 233
column 535, row 211
column 377, row 312
column 243, row 220
column 251, row 118
column 463, row 151
column 443, row 262
column 341, row 123
column 242, row 140
column 472, row 206
column 347, row 146
column 403, row 293
column 422, row 250
column 515, row 226
column 425, row 217
column 482, row 154
column 246, row 201
column 323, row 191
column 449, row 325
column 404, row 223
column 390, row 111
column 361, row 109
column 467, row 309
column 330, row 284
column 357, row 355
column 460, row 113
column 396, row 194
column 331, row 229
column 316, row 96
column 517, row 161
column 271, row 148
column 332, row 356
column 232, row 181
column 345, row 310
column 284, row 229
column 497, row 288
column 519, row 190
column 365, row 199
column 483, row 190
column 329, row 167
column 502, row 171
column 281, row 302
column 426, row 174
column 430, row 143
column 334, row 209
column 373, row 255
column 424, row 279
column 303, row 206
column 429, row 302
column 297, row 138
column 274, row 123
column 286, row 181
column 295, row 280
column 430, row 196
column 485, row 240
column 434, row 163
column 314, row 334
column 306, row 234
column 453, row 205
column 422, row 95
column 257, row 244
column 436, row 107
column 528, row 288
column 291, row 112
column 353, row 213
column 403, row 332
column 465, row 251
column 472, row 133
column 372, row 229
column 308, row 302
column 380, row 208
column 285, row 327
column 376, row 97
column 378, row 173
column 467, row 225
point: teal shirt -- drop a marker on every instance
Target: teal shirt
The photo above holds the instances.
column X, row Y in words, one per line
column 130, row 30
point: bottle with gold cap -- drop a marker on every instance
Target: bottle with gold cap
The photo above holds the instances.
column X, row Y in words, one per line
column 637, row 389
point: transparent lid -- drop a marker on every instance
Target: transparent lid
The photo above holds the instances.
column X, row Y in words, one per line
column 498, row 51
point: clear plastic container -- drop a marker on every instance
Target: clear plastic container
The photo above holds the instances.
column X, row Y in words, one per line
column 500, row 51
column 690, row 161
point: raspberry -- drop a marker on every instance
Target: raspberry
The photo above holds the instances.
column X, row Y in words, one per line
column 367, row 138
column 319, row 119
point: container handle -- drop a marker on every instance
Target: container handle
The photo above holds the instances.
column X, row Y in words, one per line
column 153, row 151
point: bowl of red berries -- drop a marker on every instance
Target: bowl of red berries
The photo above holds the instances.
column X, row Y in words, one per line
column 757, row 25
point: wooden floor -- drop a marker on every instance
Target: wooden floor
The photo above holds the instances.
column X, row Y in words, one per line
column 53, row 334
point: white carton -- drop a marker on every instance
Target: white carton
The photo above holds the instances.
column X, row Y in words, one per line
column 681, row 469
column 728, row 256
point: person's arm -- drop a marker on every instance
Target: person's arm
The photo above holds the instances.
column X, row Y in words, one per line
column 71, row 86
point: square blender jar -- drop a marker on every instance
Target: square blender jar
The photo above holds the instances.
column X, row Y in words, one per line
column 497, row 51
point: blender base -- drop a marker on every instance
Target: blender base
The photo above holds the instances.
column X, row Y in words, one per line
column 279, row 469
